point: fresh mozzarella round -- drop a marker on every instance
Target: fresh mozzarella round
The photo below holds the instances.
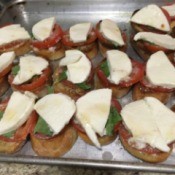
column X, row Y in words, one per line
column 6, row 59
column 111, row 31
column 92, row 112
column 78, row 66
column 30, row 65
column 153, row 16
column 160, row 71
column 56, row 110
column 165, row 41
column 120, row 66
column 170, row 9
column 151, row 122
column 79, row 32
column 17, row 111
column 12, row 33
column 43, row 28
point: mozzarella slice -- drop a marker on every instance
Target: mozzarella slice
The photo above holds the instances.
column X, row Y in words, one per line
column 111, row 31
column 92, row 112
column 29, row 66
column 56, row 110
column 78, row 66
column 12, row 33
column 79, row 32
column 170, row 9
column 6, row 59
column 152, row 16
column 165, row 41
column 72, row 56
column 160, row 71
column 120, row 65
column 150, row 122
column 17, row 112
column 43, row 28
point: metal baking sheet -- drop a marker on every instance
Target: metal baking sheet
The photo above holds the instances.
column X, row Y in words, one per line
column 68, row 13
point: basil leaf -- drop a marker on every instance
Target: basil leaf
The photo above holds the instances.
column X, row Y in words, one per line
column 105, row 68
column 1, row 114
column 15, row 69
column 42, row 127
column 9, row 134
column 84, row 86
column 62, row 76
column 114, row 118
column 50, row 89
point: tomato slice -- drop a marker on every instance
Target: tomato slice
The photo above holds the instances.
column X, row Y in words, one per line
column 22, row 132
column 53, row 39
column 36, row 82
column 145, row 82
column 67, row 42
column 114, row 103
column 5, row 71
column 135, row 76
column 125, row 135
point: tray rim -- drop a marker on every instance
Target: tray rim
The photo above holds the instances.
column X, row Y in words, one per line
column 91, row 163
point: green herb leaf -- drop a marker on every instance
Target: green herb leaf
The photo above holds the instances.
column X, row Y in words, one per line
column 42, row 127
column 1, row 114
column 9, row 134
column 15, row 69
column 84, row 86
column 114, row 118
column 62, row 76
column 105, row 68
column 50, row 89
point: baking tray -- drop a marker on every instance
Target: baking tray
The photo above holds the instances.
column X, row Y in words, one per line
column 68, row 13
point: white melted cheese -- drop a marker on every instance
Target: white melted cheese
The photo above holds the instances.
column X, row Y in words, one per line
column 160, row 71
column 6, row 59
column 30, row 65
column 43, row 28
column 56, row 110
column 120, row 66
column 111, row 31
column 152, row 16
column 150, row 122
column 170, row 9
column 165, row 41
column 12, row 33
column 17, row 111
column 79, row 32
column 78, row 66
column 92, row 112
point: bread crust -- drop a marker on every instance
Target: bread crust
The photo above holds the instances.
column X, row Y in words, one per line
column 105, row 140
column 10, row 147
column 20, row 49
column 51, row 55
column 55, row 146
column 145, row 156
column 117, row 91
column 139, row 92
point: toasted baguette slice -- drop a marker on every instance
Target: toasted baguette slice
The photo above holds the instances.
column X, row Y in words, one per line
column 49, row 54
column 140, row 92
column 11, row 147
column 105, row 140
column 156, row 157
column 4, row 85
column 20, row 49
column 55, row 146
column 117, row 91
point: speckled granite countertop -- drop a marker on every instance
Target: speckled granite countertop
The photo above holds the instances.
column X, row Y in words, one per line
column 25, row 169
